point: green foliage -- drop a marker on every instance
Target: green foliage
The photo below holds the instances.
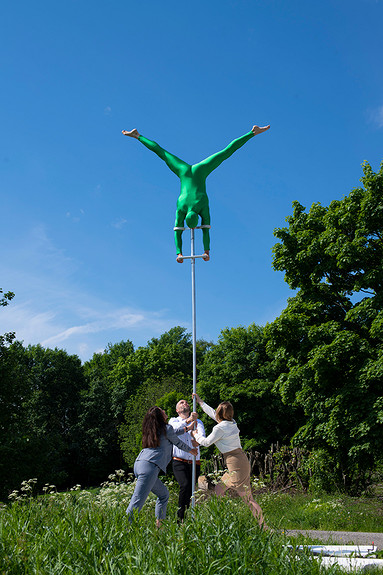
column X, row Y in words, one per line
column 164, row 367
column 327, row 346
column 239, row 370
column 6, row 297
column 40, row 391
column 14, row 390
column 169, row 401
column 101, row 412
column 340, row 245
column 4, row 301
column 163, row 394
column 101, row 364
column 167, row 356
column 55, row 380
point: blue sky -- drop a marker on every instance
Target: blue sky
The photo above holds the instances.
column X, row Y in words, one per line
column 87, row 214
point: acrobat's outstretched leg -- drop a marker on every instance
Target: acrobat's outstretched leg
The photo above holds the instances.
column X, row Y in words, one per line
column 212, row 162
column 259, row 129
column 176, row 165
column 133, row 133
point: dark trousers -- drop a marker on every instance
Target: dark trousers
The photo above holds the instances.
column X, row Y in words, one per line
column 183, row 474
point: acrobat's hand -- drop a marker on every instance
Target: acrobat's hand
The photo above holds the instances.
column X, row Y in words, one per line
column 206, row 256
column 258, row 130
column 180, row 259
column 197, row 397
column 133, row 133
column 194, row 451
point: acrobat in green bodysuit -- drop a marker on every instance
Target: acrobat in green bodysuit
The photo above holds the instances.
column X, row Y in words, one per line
column 193, row 200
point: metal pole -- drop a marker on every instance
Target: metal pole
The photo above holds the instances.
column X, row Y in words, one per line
column 194, row 359
column 193, row 257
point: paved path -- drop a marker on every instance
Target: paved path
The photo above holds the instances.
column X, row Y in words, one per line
column 340, row 537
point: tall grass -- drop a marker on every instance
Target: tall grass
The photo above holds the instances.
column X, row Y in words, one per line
column 323, row 512
column 82, row 532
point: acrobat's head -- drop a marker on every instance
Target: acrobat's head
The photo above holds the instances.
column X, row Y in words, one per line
column 191, row 219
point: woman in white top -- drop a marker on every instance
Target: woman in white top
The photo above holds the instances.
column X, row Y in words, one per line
column 225, row 435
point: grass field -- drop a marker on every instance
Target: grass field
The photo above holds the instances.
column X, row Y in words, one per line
column 324, row 512
column 86, row 532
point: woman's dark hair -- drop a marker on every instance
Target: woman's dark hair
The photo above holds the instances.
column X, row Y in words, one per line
column 224, row 412
column 153, row 426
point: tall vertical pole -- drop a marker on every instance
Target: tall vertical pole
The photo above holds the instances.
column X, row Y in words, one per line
column 193, row 257
column 194, row 358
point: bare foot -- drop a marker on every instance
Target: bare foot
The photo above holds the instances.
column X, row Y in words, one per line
column 133, row 133
column 258, row 130
column 206, row 256
column 180, row 259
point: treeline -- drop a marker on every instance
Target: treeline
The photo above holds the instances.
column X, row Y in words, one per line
column 313, row 378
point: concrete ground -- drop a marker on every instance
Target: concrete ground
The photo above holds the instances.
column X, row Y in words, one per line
column 340, row 537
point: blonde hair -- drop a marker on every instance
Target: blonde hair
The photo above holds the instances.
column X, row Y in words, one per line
column 224, row 412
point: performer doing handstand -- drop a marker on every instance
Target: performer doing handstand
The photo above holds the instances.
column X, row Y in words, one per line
column 193, row 201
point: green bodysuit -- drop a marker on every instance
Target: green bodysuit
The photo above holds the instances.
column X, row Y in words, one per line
column 193, row 201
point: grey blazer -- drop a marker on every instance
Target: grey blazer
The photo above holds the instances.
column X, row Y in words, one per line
column 162, row 454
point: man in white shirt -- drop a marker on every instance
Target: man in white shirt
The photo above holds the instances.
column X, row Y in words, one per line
column 182, row 461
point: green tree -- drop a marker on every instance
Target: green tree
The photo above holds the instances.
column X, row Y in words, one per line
column 15, row 458
column 55, row 380
column 239, row 370
column 103, row 403
column 39, row 402
column 164, row 394
column 169, row 355
column 5, row 298
column 327, row 344
column 12, row 390
column 164, row 366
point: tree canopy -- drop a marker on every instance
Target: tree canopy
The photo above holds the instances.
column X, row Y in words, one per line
column 238, row 369
column 328, row 343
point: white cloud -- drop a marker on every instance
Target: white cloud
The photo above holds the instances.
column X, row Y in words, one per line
column 118, row 224
column 376, row 116
column 30, row 326
column 75, row 218
column 82, row 331
column 101, row 321
column 56, row 311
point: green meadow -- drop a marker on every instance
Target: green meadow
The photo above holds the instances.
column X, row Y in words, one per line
column 86, row 532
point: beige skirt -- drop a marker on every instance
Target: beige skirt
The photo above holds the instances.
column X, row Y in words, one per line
column 237, row 475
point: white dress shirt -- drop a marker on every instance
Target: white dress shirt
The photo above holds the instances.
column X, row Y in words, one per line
column 178, row 423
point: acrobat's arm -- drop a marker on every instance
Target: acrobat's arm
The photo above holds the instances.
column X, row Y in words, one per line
column 178, row 229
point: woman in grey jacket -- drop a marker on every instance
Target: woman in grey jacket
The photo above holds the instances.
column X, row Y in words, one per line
column 158, row 439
